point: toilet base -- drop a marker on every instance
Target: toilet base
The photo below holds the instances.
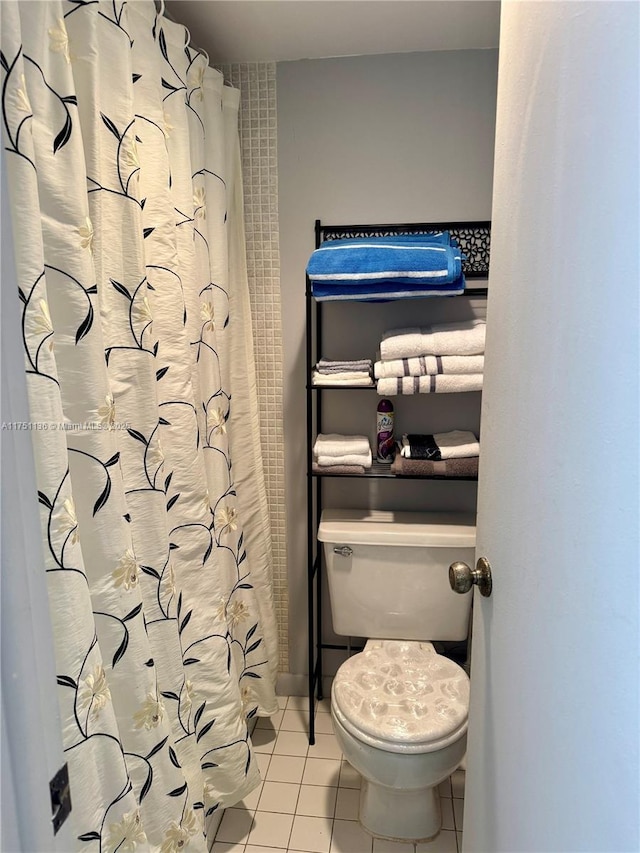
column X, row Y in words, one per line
column 412, row 815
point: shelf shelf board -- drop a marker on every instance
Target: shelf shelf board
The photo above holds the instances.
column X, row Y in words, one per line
column 341, row 387
column 380, row 470
column 374, row 387
column 469, row 292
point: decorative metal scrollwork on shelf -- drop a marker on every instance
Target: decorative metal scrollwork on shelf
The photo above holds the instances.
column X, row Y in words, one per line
column 474, row 240
column 475, row 244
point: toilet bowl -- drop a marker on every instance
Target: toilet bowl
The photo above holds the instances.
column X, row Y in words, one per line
column 399, row 709
column 399, row 712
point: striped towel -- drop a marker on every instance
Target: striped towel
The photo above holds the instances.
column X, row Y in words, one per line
column 325, row 292
column 449, row 383
column 428, row 365
column 373, row 268
column 442, row 238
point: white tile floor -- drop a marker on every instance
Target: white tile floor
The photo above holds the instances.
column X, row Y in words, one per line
column 308, row 800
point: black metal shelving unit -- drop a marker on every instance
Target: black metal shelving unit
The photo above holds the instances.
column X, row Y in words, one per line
column 474, row 240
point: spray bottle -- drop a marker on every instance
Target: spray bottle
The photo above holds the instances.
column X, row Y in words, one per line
column 385, row 444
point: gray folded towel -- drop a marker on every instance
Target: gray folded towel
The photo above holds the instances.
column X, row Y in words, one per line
column 326, row 366
column 467, row 467
column 337, row 469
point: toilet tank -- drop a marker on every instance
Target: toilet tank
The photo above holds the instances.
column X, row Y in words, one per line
column 388, row 573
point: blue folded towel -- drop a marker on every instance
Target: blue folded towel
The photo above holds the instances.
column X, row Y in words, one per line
column 383, row 291
column 367, row 263
column 440, row 238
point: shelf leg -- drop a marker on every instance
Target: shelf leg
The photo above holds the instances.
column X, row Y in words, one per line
column 319, row 688
column 312, row 721
column 312, row 663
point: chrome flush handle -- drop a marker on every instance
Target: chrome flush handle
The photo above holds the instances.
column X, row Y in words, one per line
column 343, row 550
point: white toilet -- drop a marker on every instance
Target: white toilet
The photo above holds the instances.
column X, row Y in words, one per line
column 399, row 709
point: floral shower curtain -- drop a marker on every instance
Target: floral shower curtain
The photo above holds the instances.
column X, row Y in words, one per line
column 122, row 153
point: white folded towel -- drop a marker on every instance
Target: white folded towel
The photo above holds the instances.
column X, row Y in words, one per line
column 333, row 444
column 363, row 459
column 456, row 444
column 462, row 338
column 448, row 383
column 428, row 365
column 351, row 378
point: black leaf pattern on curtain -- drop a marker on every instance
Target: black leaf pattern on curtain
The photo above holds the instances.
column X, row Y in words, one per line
column 114, row 452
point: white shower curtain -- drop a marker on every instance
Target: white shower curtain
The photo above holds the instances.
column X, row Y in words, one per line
column 122, row 153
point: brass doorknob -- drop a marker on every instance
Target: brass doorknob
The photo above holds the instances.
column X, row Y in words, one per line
column 462, row 577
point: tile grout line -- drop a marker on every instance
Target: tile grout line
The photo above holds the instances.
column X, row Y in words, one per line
column 331, row 818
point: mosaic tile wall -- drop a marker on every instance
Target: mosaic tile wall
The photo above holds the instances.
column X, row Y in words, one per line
column 258, row 141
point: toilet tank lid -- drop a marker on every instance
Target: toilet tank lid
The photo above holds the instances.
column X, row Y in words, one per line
column 415, row 529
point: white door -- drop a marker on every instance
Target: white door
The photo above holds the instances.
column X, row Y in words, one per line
column 553, row 745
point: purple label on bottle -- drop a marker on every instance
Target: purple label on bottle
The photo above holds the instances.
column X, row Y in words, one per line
column 384, row 433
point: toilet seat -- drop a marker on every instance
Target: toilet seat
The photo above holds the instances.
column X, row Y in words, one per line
column 402, row 696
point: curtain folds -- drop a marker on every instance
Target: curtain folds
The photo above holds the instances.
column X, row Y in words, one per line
column 122, row 154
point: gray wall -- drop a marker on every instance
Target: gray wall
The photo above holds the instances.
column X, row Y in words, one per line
column 374, row 139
